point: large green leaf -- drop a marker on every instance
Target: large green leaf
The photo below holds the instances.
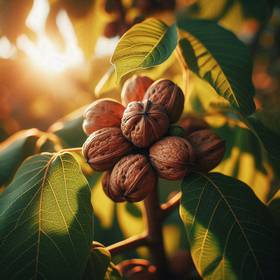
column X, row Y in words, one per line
column 230, row 231
column 14, row 150
column 146, row 44
column 46, row 220
column 219, row 57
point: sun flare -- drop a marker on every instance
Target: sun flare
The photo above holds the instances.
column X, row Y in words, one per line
column 44, row 53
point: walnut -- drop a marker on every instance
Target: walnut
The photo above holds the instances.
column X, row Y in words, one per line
column 131, row 179
column 209, row 149
column 134, row 89
column 192, row 123
column 168, row 94
column 137, row 269
column 143, row 123
column 172, row 157
column 102, row 113
column 105, row 147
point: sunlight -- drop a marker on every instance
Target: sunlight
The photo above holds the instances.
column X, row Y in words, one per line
column 7, row 50
column 43, row 53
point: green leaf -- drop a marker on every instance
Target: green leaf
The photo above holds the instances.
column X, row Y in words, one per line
column 269, row 138
column 14, row 150
column 46, row 220
column 219, row 57
column 230, row 231
column 146, row 44
column 98, row 263
column 69, row 129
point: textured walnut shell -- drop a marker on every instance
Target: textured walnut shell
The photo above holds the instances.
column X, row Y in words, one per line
column 105, row 147
column 134, row 89
column 168, row 94
column 192, row 123
column 172, row 157
column 131, row 179
column 102, row 113
column 137, row 269
column 209, row 149
column 143, row 123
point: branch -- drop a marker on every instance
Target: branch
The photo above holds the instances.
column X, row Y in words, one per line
column 128, row 244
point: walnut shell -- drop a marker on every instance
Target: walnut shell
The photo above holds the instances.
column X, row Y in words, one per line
column 137, row 269
column 131, row 179
column 172, row 157
column 209, row 149
column 102, row 113
column 143, row 123
column 134, row 89
column 192, row 123
column 105, row 147
column 168, row 94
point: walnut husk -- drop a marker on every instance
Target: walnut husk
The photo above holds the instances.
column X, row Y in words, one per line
column 143, row 123
column 131, row 179
column 172, row 157
column 105, row 147
column 168, row 94
column 102, row 113
column 209, row 149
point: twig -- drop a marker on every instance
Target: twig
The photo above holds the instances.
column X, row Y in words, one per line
column 128, row 244
column 170, row 205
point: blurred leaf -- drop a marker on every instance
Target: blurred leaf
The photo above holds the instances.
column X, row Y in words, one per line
column 146, row 44
column 229, row 229
column 269, row 138
column 274, row 206
column 46, row 220
column 260, row 9
column 106, row 83
column 70, row 130
column 14, row 150
column 217, row 56
column 13, row 15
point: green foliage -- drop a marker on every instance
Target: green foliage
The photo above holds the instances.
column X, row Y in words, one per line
column 14, row 150
column 46, row 220
column 217, row 56
column 144, row 45
column 230, row 231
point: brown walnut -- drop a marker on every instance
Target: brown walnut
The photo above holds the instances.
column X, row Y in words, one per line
column 192, row 123
column 209, row 149
column 102, row 113
column 105, row 147
column 143, row 123
column 134, row 89
column 137, row 269
column 168, row 94
column 172, row 157
column 131, row 179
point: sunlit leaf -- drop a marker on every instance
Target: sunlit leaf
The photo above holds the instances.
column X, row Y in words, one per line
column 14, row 150
column 46, row 220
column 229, row 230
column 146, row 44
column 217, row 56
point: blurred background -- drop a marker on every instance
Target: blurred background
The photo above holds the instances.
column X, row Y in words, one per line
column 54, row 53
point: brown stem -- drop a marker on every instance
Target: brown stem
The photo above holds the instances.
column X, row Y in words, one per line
column 153, row 215
column 128, row 244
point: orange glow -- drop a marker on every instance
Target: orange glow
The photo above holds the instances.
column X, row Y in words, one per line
column 44, row 53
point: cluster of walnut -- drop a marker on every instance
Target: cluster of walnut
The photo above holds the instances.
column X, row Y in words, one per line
column 132, row 142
